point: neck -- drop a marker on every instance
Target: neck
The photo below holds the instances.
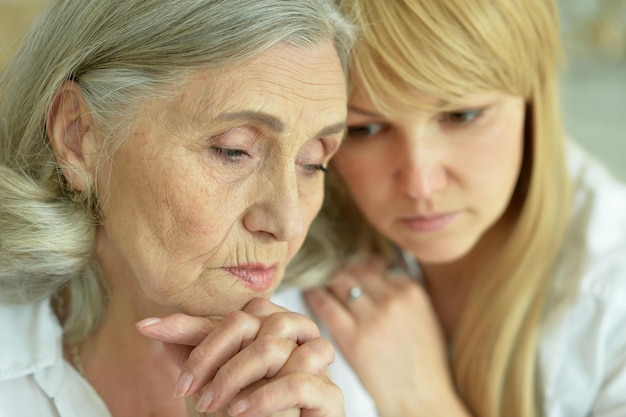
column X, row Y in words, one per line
column 132, row 374
column 449, row 285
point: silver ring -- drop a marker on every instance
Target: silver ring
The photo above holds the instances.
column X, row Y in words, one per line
column 355, row 293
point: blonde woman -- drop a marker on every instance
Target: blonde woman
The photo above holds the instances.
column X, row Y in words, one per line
column 456, row 165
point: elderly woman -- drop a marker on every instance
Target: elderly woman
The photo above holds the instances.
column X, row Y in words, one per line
column 163, row 157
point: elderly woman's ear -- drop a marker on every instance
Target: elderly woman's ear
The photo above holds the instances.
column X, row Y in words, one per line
column 72, row 136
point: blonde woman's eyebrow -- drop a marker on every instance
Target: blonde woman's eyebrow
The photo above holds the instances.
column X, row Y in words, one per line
column 367, row 113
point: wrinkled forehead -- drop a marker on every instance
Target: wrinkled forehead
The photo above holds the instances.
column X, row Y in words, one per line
column 289, row 89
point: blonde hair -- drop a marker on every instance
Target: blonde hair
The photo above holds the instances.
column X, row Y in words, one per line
column 448, row 49
column 120, row 53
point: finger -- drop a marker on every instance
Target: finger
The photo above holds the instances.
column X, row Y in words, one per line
column 314, row 396
column 313, row 357
column 289, row 325
column 370, row 276
column 236, row 330
column 244, row 393
column 266, row 358
column 178, row 328
column 282, row 322
column 401, row 281
column 261, row 359
column 373, row 285
column 262, row 307
column 379, row 281
column 339, row 321
column 343, row 286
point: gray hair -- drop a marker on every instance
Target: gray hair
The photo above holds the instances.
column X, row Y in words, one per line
column 120, row 53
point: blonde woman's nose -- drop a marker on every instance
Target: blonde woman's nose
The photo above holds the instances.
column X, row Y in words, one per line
column 421, row 171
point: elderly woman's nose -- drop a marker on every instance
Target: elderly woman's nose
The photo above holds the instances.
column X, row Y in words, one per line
column 278, row 208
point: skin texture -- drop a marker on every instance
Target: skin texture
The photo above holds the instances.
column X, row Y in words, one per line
column 178, row 209
column 462, row 161
column 261, row 341
column 203, row 206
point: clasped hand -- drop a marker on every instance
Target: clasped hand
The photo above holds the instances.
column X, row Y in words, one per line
column 261, row 361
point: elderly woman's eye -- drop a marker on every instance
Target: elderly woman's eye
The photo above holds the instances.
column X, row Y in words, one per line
column 230, row 155
column 363, row 131
column 461, row 117
column 315, row 168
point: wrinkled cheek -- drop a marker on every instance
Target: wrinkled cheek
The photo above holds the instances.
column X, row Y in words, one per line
column 168, row 277
column 187, row 222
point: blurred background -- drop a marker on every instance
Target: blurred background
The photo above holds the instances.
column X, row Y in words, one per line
column 593, row 86
column 593, row 83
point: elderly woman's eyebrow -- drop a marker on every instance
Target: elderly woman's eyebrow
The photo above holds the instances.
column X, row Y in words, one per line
column 256, row 118
column 333, row 129
column 274, row 123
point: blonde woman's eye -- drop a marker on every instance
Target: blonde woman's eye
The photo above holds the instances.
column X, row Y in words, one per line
column 461, row 117
column 363, row 131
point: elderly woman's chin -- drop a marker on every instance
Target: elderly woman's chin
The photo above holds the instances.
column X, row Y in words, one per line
column 212, row 194
column 218, row 292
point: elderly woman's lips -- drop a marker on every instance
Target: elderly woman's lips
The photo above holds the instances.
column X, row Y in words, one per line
column 430, row 224
column 256, row 277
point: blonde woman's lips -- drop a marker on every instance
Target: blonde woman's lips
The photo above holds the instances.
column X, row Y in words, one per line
column 257, row 277
column 430, row 224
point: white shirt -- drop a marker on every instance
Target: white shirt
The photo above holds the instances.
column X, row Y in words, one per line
column 35, row 380
column 582, row 350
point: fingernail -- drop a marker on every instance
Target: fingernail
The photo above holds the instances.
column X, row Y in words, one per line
column 238, row 408
column 205, row 401
column 148, row 322
column 183, row 384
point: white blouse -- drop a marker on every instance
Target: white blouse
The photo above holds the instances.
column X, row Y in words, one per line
column 35, row 380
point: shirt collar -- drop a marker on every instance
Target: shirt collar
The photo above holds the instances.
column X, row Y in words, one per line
column 31, row 338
